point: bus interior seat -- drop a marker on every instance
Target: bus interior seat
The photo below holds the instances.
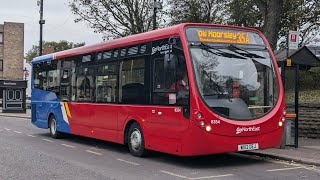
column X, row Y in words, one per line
column 133, row 93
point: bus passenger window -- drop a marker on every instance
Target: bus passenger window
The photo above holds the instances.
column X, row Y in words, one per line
column 132, row 89
column 85, row 85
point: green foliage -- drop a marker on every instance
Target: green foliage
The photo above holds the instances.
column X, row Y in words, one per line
column 199, row 11
column 309, row 86
column 309, row 80
column 115, row 18
column 295, row 15
column 245, row 13
column 57, row 46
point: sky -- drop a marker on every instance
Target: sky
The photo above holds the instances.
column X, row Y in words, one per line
column 59, row 24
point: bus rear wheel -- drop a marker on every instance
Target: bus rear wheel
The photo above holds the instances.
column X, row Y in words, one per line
column 136, row 140
column 53, row 128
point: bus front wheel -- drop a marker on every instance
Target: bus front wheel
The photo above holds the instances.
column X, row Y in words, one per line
column 136, row 140
column 53, row 128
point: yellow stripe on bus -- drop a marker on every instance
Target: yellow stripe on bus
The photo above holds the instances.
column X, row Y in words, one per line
column 67, row 109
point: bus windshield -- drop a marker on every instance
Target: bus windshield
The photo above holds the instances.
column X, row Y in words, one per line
column 239, row 83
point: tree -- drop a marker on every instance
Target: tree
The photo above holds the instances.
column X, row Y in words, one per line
column 115, row 18
column 56, row 46
column 276, row 17
column 200, row 11
column 262, row 14
column 301, row 15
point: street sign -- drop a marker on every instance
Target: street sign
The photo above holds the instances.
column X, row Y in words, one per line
column 293, row 40
column 26, row 74
column 289, row 62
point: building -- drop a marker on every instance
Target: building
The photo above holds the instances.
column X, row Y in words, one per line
column 11, row 51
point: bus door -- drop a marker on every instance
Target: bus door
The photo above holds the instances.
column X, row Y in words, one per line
column 167, row 122
column 168, row 118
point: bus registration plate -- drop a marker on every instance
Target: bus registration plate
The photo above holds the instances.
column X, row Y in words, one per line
column 246, row 147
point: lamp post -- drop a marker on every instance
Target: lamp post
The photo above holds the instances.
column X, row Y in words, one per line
column 41, row 22
column 156, row 6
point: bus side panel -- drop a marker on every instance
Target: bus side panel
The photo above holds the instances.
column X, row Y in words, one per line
column 60, row 112
column 44, row 103
column 161, row 132
column 93, row 120
column 199, row 142
column 40, row 107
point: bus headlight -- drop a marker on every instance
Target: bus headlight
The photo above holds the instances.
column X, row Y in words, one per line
column 208, row 128
column 280, row 123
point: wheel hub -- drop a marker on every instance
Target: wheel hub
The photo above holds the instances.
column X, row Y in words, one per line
column 135, row 139
column 53, row 126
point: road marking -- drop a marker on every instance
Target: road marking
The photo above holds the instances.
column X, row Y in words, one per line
column 209, row 177
column 17, row 132
column 47, row 140
column 136, row 164
column 66, row 145
column 7, row 129
column 295, row 165
column 173, row 174
column 284, row 163
column 284, row 169
column 30, row 135
column 92, row 152
column 312, row 169
column 203, row 177
column 313, row 147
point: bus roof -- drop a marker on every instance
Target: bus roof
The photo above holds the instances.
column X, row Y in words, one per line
column 129, row 40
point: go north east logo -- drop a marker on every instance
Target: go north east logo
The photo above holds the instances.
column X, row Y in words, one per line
column 247, row 129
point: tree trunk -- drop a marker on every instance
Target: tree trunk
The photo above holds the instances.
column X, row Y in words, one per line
column 272, row 21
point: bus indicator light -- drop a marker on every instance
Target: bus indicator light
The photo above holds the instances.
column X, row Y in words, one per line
column 202, row 123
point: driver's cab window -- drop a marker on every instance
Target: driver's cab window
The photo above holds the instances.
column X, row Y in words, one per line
column 170, row 77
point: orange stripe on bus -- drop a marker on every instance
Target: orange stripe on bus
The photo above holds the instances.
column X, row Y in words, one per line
column 67, row 109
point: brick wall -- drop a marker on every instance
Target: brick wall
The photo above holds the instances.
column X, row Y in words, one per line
column 309, row 119
column 13, row 49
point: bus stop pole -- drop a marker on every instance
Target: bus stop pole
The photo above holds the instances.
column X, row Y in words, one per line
column 296, row 109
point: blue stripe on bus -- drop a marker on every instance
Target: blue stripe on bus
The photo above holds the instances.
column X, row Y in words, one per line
column 43, row 58
column 44, row 103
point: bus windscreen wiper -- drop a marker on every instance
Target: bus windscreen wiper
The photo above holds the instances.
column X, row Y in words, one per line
column 234, row 48
column 219, row 52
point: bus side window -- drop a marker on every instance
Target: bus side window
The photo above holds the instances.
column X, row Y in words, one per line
column 85, row 84
column 132, row 81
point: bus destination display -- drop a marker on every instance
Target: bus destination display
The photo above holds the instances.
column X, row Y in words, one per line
column 216, row 35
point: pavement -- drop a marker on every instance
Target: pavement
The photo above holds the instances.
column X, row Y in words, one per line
column 308, row 151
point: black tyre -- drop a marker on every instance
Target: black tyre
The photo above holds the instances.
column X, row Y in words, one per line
column 136, row 140
column 53, row 128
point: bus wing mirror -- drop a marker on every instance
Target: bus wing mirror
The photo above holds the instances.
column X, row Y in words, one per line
column 170, row 61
